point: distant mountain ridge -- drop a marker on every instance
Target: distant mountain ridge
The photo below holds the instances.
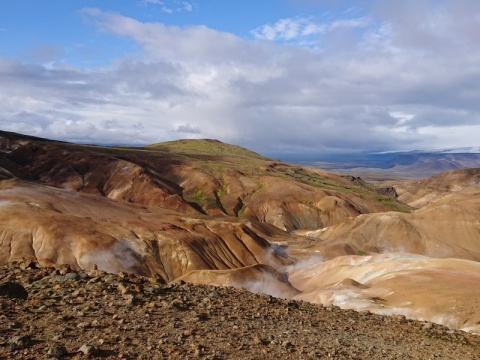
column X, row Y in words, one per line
column 436, row 161
column 401, row 164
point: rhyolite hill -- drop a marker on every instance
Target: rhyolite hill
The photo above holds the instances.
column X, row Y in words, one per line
column 168, row 208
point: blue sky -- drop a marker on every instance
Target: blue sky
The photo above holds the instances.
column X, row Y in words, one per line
column 30, row 26
column 274, row 76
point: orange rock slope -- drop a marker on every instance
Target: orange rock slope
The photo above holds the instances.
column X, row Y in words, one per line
column 58, row 226
column 423, row 264
column 164, row 210
column 448, row 226
column 445, row 291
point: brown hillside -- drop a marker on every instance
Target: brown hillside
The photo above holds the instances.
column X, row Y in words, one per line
column 448, row 227
column 445, row 291
column 192, row 177
column 57, row 226
column 422, row 192
column 206, row 212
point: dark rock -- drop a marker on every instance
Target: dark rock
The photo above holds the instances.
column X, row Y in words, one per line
column 15, row 325
column 21, row 341
column 387, row 191
column 13, row 290
column 83, row 275
column 72, row 276
column 88, row 350
column 293, row 304
column 57, row 351
column 27, row 264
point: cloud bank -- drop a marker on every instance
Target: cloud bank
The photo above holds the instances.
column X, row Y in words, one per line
column 397, row 77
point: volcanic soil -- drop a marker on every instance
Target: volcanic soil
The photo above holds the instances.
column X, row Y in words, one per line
column 76, row 315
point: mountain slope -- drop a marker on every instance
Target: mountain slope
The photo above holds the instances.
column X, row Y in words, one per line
column 441, row 283
column 165, row 210
column 195, row 177
column 419, row 193
column 448, row 227
column 445, row 291
column 57, row 226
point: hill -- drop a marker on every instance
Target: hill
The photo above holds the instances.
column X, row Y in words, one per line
column 420, row 193
column 227, row 181
column 371, row 262
column 163, row 210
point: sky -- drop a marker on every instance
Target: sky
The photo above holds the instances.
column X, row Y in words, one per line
column 284, row 76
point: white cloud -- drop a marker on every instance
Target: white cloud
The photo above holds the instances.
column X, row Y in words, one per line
column 349, row 23
column 187, row 6
column 169, row 7
column 167, row 10
column 288, row 29
column 402, row 117
column 300, row 29
column 161, row 41
column 451, row 136
column 369, row 84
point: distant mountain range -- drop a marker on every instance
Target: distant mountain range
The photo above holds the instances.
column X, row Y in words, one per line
column 403, row 164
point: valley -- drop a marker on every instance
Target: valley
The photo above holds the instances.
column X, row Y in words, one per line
column 206, row 213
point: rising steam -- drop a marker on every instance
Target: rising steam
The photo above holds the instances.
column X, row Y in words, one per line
column 121, row 256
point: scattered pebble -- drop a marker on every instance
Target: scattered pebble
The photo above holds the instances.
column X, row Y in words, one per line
column 132, row 317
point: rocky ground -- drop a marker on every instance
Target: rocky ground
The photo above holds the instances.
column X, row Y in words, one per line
column 57, row 313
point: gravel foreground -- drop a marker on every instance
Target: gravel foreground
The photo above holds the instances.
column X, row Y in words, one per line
column 58, row 313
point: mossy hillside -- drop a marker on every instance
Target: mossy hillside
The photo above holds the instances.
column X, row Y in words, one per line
column 367, row 191
column 206, row 146
column 217, row 159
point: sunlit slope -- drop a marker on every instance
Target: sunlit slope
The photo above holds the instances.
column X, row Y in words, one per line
column 445, row 291
column 420, row 193
column 447, row 227
column 57, row 226
column 195, row 177
column 261, row 279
